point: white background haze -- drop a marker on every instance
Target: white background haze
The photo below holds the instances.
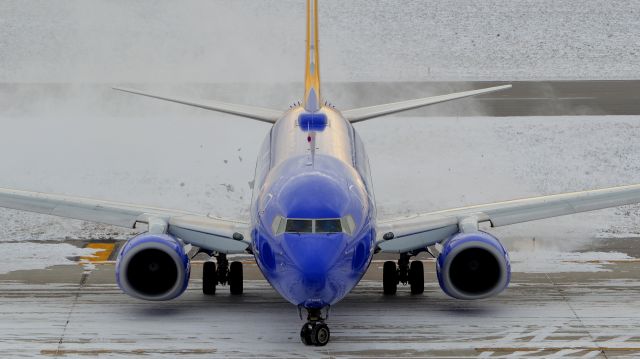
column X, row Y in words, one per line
column 63, row 130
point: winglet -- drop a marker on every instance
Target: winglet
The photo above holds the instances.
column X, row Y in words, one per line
column 312, row 71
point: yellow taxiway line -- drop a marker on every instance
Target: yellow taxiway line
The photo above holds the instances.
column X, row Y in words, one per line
column 101, row 255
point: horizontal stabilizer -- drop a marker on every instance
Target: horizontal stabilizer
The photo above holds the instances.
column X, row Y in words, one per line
column 366, row 113
column 256, row 113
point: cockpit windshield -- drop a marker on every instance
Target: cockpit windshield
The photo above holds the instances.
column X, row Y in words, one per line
column 328, row 226
column 305, row 225
column 299, row 226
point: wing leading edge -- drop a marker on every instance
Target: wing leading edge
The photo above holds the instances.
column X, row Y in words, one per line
column 252, row 112
column 224, row 236
column 422, row 230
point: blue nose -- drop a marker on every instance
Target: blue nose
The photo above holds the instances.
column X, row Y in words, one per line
column 314, row 281
column 316, row 257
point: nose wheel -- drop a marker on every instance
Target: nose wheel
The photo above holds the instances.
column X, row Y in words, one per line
column 315, row 331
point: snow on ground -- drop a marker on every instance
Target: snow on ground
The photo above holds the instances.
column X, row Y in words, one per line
column 74, row 136
column 428, row 164
column 424, row 164
column 547, row 261
column 29, row 255
column 361, row 40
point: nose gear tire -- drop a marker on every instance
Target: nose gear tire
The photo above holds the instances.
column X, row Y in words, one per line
column 320, row 335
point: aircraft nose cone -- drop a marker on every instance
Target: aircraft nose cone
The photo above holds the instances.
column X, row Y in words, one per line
column 314, row 281
column 314, row 256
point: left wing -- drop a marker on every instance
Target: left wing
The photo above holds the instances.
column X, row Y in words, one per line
column 224, row 236
column 407, row 234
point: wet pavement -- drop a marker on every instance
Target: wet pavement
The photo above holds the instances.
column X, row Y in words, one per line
column 77, row 311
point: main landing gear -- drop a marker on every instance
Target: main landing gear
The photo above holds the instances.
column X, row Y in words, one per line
column 403, row 273
column 222, row 274
column 315, row 331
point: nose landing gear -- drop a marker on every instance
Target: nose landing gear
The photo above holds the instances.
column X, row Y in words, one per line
column 315, row 331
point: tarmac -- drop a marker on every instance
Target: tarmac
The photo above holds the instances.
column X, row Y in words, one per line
column 78, row 311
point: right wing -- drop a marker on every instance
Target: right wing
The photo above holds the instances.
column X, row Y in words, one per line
column 367, row 113
column 224, row 236
column 255, row 113
column 422, row 230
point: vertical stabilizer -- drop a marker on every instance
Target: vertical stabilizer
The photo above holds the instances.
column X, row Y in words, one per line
column 312, row 75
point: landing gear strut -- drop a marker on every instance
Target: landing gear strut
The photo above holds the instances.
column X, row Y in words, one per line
column 315, row 331
column 222, row 274
column 406, row 272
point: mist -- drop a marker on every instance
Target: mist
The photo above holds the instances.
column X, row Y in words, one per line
column 263, row 41
column 64, row 130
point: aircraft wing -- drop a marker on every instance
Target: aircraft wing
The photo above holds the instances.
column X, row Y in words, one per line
column 422, row 230
column 252, row 112
column 367, row 113
column 214, row 234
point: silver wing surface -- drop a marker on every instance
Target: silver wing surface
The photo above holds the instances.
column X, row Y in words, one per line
column 224, row 236
column 252, row 112
column 422, row 230
column 367, row 113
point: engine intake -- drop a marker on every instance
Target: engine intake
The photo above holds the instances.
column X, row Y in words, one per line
column 473, row 266
column 153, row 267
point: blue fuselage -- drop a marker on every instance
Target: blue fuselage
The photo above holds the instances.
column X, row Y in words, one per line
column 312, row 168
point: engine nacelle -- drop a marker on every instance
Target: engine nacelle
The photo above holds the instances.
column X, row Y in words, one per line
column 153, row 267
column 473, row 266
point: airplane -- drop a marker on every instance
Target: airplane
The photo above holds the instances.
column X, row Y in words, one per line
column 314, row 229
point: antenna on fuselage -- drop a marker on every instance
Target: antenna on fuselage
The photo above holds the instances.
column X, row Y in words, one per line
column 312, row 72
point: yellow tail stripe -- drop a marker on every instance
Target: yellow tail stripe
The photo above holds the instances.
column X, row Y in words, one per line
column 312, row 75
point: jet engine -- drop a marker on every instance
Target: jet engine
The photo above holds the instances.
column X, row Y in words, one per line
column 473, row 266
column 153, row 267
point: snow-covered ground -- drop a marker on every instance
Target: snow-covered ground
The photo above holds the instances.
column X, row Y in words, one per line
column 550, row 261
column 29, row 255
column 424, row 164
column 75, row 136
column 361, row 40
column 205, row 164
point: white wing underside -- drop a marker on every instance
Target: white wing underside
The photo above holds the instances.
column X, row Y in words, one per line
column 426, row 229
column 214, row 234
